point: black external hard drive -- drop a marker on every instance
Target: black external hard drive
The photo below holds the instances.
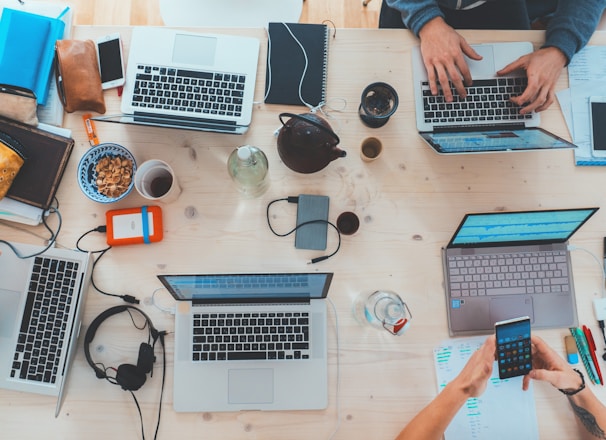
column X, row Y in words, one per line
column 312, row 235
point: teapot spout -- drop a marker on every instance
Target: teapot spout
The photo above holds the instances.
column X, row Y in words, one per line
column 337, row 152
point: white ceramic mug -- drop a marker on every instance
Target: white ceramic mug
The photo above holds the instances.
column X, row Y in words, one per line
column 156, row 180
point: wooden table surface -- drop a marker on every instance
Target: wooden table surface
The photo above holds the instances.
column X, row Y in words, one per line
column 409, row 202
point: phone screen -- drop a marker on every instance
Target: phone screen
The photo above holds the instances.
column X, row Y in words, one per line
column 110, row 60
column 598, row 125
column 513, row 347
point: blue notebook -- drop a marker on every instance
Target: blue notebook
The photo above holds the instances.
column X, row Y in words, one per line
column 27, row 50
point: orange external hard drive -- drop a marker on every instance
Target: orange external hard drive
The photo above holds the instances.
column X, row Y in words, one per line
column 134, row 225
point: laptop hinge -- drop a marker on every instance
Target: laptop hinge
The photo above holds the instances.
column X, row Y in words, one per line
column 467, row 127
column 184, row 121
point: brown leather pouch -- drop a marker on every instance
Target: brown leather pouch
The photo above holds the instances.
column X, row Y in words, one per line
column 11, row 161
column 77, row 75
column 18, row 104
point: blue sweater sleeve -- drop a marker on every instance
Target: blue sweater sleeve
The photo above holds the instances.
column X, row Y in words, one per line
column 415, row 13
column 569, row 29
column 572, row 25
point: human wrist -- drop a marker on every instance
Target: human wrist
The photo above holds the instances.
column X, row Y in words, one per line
column 557, row 53
column 432, row 26
column 462, row 390
column 580, row 381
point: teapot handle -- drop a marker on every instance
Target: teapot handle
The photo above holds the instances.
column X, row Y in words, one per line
column 312, row 122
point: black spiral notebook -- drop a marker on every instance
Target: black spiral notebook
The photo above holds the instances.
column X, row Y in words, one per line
column 286, row 71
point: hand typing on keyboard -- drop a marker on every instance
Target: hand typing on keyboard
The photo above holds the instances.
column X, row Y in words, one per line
column 443, row 51
column 543, row 68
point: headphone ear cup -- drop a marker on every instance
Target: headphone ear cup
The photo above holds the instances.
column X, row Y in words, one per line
column 146, row 358
column 129, row 377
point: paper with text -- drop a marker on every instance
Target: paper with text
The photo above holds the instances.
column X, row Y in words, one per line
column 504, row 410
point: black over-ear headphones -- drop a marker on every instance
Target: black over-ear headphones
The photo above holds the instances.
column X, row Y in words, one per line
column 130, row 377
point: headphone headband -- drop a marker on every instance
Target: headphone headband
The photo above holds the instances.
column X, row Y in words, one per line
column 94, row 326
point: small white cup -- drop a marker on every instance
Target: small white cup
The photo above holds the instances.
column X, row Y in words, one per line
column 156, row 180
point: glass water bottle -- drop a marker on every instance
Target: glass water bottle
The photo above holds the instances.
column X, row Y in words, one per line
column 248, row 168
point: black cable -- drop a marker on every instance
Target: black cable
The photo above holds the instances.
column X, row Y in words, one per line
column 295, row 199
column 127, row 298
column 52, row 239
column 140, row 414
column 161, row 337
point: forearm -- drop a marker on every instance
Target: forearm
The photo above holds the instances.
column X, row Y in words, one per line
column 415, row 14
column 433, row 420
column 573, row 24
column 590, row 414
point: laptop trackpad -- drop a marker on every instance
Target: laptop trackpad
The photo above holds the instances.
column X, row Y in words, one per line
column 9, row 305
column 511, row 307
column 252, row 385
column 485, row 67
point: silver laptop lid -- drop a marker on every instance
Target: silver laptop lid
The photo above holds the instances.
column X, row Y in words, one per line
column 190, row 80
column 251, row 288
column 494, row 139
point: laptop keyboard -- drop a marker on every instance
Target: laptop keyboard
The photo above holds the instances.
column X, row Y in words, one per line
column 486, row 100
column 516, row 273
column 250, row 336
column 45, row 320
column 196, row 92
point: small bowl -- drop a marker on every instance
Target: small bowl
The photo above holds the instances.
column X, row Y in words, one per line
column 87, row 174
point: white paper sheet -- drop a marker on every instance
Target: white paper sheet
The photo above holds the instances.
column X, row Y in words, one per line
column 489, row 416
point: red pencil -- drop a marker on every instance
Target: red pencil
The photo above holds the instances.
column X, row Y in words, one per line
column 592, row 349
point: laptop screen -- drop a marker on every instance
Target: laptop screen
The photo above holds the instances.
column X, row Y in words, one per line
column 486, row 140
column 533, row 227
column 232, row 287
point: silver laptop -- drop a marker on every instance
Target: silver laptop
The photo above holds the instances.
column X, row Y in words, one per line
column 501, row 265
column 250, row 341
column 486, row 120
column 41, row 303
column 189, row 80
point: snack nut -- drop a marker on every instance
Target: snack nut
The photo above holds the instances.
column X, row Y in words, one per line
column 114, row 175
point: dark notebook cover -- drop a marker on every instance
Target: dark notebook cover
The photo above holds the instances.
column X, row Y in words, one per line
column 46, row 157
column 286, row 63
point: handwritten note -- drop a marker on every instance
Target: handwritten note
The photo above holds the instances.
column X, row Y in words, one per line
column 502, row 411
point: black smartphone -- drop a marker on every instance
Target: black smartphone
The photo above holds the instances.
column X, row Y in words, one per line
column 597, row 117
column 513, row 347
column 111, row 61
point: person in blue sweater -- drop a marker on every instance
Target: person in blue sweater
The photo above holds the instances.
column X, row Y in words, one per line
column 570, row 24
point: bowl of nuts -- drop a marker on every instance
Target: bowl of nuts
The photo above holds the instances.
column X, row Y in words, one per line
column 105, row 173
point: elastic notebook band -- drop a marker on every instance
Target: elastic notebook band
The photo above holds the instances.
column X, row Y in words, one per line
column 145, row 223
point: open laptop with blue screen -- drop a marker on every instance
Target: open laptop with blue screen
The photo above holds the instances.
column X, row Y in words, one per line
column 501, row 265
column 250, row 341
column 485, row 120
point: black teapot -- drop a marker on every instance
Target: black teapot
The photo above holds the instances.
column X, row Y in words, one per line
column 307, row 143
